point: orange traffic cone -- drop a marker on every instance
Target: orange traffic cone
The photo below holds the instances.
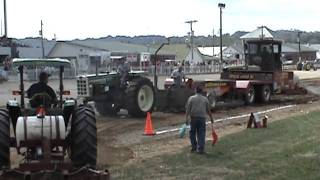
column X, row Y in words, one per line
column 148, row 130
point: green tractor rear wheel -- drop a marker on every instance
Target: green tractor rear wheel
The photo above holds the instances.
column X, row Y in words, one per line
column 83, row 137
column 140, row 97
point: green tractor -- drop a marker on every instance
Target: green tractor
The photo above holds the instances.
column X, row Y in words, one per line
column 45, row 134
column 137, row 96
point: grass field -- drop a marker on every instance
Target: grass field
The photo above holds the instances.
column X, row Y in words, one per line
column 287, row 149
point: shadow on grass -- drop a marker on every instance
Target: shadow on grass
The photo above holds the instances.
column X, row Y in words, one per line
column 288, row 149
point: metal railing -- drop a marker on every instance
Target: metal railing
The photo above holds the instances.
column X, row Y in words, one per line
column 162, row 70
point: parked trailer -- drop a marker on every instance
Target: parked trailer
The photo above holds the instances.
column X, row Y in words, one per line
column 261, row 77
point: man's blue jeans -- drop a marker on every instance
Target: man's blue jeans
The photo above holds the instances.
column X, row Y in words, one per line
column 197, row 133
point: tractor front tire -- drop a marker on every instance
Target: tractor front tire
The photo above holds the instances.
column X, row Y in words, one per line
column 83, row 137
column 4, row 138
column 105, row 109
column 140, row 97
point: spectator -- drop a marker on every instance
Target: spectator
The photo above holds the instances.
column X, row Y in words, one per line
column 198, row 109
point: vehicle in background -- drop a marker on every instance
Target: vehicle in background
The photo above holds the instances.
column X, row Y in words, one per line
column 316, row 64
column 308, row 65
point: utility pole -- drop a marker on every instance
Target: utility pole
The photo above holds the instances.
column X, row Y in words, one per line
column 1, row 28
column 191, row 35
column 41, row 34
column 212, row 45
column 221, row 6
column 299, row 33
column 5, row 18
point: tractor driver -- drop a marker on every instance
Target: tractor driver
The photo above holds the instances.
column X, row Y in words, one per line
column 41, row 87
column 123, row 70
column 267, row 61
column 177, row 76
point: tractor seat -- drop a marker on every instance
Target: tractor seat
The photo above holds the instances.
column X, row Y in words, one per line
column 40, row 99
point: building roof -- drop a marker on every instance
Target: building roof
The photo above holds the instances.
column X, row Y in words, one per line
column 113, row 46
column 72, row 44
column 179, row 50
column 5, row 50
column 208, row 51
column 261, row 32
column 314, row 46
column 293, row 48
column 32, row 47
column 30, row 52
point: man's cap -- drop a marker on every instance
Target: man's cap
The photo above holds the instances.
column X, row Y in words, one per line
column 43, row 75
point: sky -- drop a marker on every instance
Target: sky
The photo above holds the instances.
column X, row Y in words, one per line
column 71, row 19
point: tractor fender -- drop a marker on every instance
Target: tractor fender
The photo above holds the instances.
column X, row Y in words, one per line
column 242, row 84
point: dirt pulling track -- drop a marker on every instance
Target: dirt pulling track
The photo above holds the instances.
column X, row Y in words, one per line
column 120, row 139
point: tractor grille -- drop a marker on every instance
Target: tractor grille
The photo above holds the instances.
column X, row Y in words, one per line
column 82, row 87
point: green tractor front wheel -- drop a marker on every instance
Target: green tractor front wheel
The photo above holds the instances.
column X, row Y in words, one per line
column 106, row 109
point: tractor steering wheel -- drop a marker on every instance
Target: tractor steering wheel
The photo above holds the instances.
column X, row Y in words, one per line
column 39, row 99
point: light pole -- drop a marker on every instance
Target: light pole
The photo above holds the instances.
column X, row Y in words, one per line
column 5, row 18
column 155, row 77
column 191, row 35
column 221, row 6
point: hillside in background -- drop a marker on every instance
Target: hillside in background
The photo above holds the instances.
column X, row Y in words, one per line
column 289, row 36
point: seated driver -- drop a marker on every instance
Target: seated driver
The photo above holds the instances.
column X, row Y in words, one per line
column 39, row 88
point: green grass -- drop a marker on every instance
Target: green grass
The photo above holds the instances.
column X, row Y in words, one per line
column 288, row 149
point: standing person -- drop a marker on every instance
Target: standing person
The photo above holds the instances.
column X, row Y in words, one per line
column 198, row 109
column 123, row 69
column 178, row 76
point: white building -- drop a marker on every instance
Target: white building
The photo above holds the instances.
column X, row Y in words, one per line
column 194, row 58
column 82, row 57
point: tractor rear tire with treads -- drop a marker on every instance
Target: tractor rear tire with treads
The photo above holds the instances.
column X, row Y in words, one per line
column 4, row 138
column 147, row 98
column 263, row 94
column 83, row 137
column 250, row 96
